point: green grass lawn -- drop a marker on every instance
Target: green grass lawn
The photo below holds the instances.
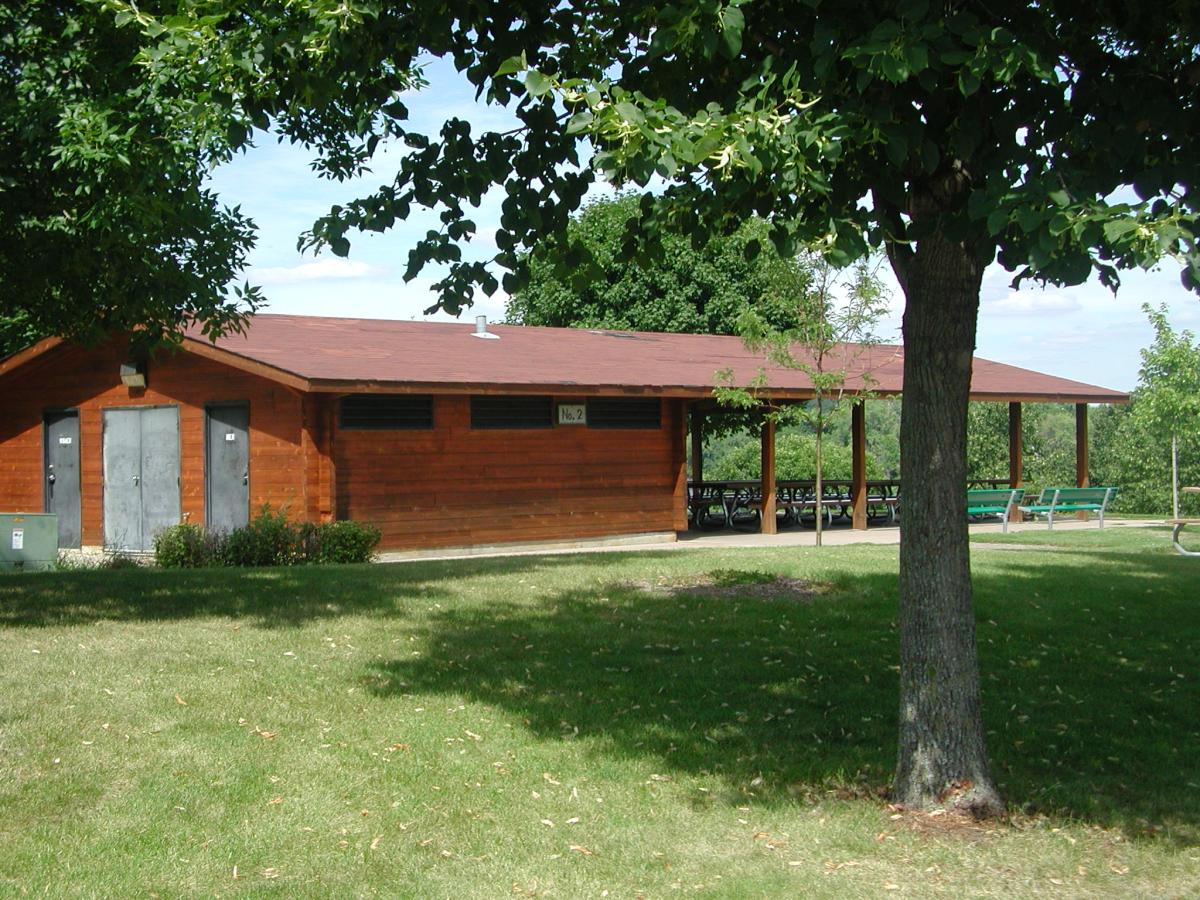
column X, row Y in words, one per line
column 646, row 724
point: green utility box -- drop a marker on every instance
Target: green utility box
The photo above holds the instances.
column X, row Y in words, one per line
column 28, row 541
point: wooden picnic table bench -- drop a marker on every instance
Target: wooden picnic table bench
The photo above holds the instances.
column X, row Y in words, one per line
column 1182, row 523
column 1065, row 499
column 994, row 503
column 725, row 504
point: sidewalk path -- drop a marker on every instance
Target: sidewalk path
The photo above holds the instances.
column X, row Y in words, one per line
column 729, row 539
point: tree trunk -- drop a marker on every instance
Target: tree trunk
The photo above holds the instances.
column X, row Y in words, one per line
column 942, row 756
column 1174, row 475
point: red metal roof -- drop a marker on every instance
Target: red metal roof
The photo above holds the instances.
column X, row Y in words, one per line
column 335, row 353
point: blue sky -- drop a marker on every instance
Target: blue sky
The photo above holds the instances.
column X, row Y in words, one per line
column 1084, row 332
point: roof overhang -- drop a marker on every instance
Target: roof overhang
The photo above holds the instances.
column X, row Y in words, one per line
column 697, row 393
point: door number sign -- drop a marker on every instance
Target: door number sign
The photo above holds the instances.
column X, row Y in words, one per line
column 572, row 414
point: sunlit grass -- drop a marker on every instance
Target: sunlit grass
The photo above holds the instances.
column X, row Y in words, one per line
column 656, row 723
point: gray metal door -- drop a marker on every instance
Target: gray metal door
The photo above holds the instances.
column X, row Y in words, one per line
column 123, row 479
column 141, row 475
column 227, row 467
column 160, row 471
column 62, row 474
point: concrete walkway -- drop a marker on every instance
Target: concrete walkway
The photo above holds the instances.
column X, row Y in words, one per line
column 730, row 539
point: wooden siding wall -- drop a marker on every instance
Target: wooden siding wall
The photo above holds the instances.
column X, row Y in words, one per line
column 454, row 486
column 88, row 380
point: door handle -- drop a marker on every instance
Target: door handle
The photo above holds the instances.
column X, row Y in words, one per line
column 137, row 479
column 50, row 473
column 246, row 477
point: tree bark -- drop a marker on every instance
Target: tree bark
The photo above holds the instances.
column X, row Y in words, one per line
column 942, row 753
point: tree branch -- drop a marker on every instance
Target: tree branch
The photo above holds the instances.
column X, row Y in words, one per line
column 899, row 253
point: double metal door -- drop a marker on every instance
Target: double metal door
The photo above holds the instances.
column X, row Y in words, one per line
column 141, row 475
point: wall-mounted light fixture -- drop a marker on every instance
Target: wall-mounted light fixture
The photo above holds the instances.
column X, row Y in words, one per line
column 133, row 375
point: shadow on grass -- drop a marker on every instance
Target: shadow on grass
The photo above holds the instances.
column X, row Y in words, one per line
column 1089, row 687
column 270, row 598
column 1088, row 661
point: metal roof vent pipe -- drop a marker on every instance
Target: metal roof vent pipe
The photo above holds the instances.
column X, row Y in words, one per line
column 481, row 330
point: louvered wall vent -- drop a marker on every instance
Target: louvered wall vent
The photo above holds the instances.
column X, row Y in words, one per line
column 618, row 412
column 382, row 412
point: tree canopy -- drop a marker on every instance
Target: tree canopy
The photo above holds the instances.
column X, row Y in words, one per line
column 1058, row 137
column 1134, row 444
column 699, row 289
column 105, row 222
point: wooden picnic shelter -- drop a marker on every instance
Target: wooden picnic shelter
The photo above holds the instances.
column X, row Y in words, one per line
column 442, row 434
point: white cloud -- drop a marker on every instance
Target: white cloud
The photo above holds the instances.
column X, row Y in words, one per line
column 329, row 269
column 1032, row 303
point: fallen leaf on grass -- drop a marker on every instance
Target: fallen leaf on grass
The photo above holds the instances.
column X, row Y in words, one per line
column 375, row 843
column 180, row 700
column 547, row 823
column 578, row 848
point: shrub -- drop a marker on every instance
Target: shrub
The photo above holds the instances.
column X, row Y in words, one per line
column 186, row 546
column 268, row 540
column 338, row 542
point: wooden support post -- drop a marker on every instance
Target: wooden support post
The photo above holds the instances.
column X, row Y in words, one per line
column 677, row 412
column 769, row 525
column 1016, row 449
column 697, row 443
column 858, row 447
column 1081, row 450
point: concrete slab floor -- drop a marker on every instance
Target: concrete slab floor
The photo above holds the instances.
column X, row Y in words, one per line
column 730, row 539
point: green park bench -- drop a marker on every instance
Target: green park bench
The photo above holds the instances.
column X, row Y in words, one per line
column 1180, row 524
column 995, row 502
column 1054, row 500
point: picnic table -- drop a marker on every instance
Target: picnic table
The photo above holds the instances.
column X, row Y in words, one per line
column 1181, row 524
column 728, row 504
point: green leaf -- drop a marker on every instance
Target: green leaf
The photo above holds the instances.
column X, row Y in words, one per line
column 512, row 65
column 733, row 23
column 1059, row 223
column 630, row 113
column 1029, row 218
column 537, row 84
column 579, row 122
column 1116, row 229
